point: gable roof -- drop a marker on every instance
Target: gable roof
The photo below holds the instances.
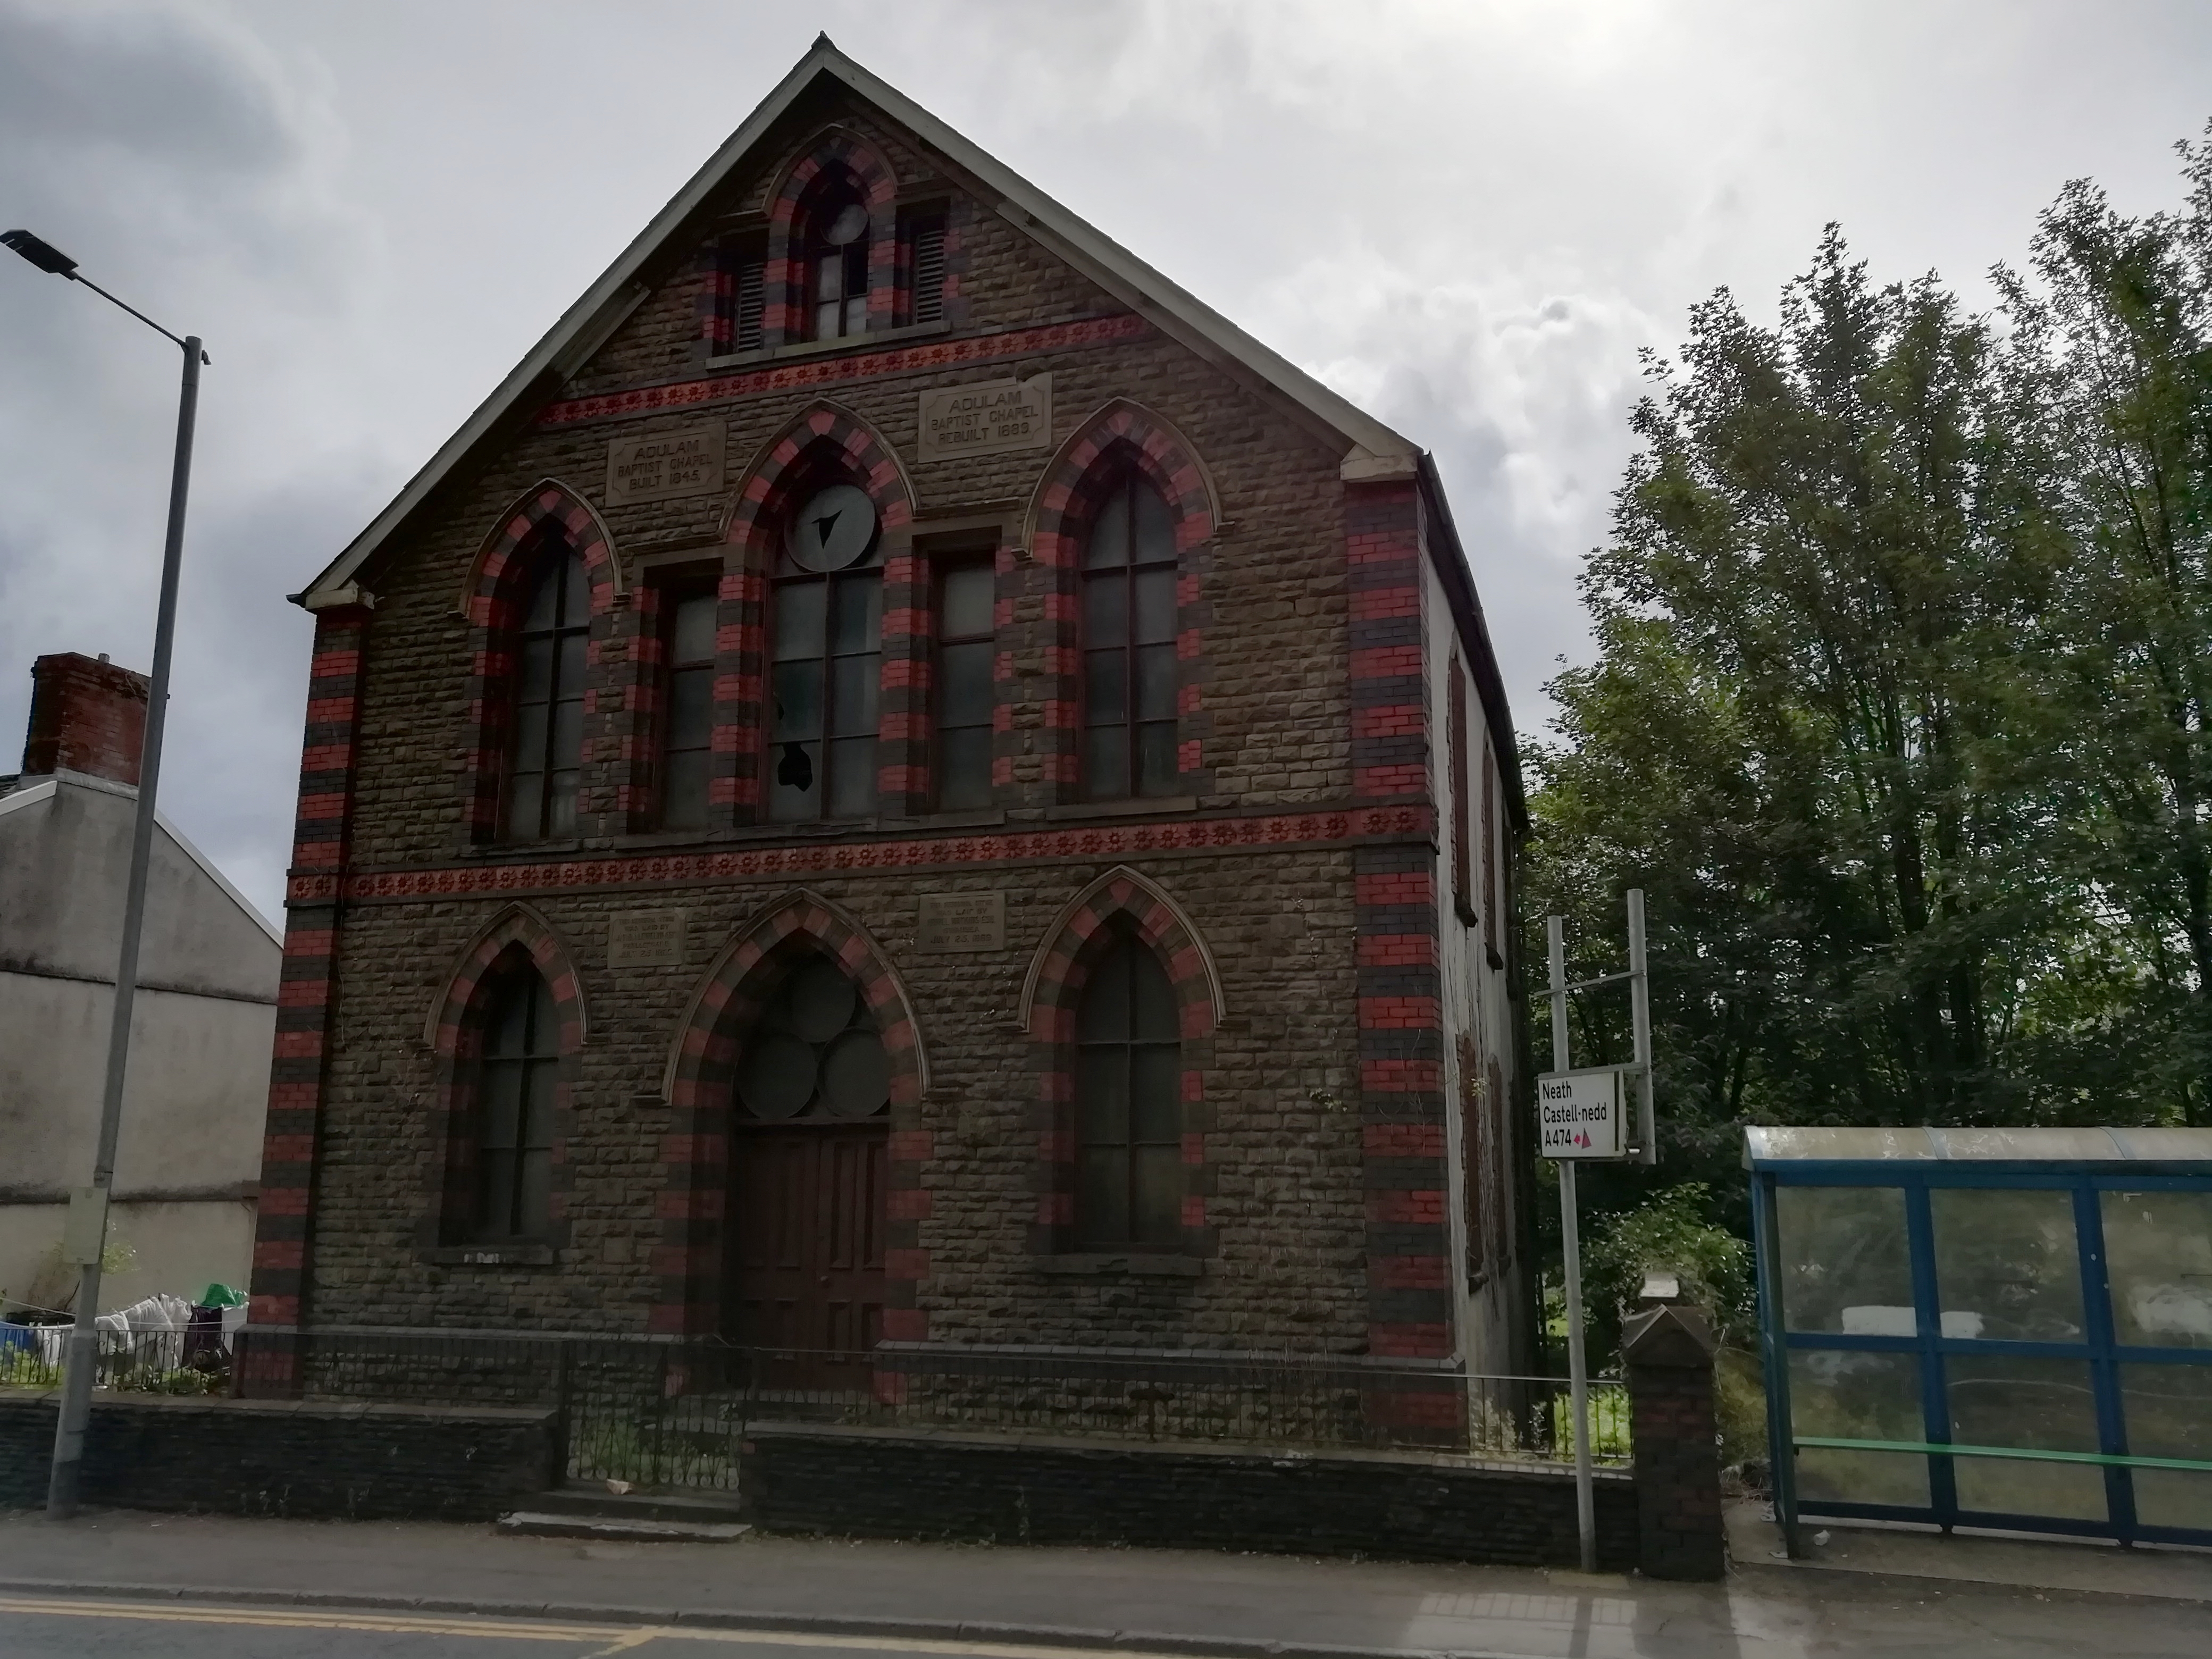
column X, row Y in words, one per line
column 1370, row 452
column 1372, row 449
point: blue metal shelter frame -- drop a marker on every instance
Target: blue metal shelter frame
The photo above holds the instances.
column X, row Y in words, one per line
column 2085, row 1165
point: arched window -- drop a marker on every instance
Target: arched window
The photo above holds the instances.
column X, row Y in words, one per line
column 1129, row 645
column 815, row 1054
column 518, row 1074
column 836, row 224
column 546, row 741
column 1129, row 1105
column 827, row 626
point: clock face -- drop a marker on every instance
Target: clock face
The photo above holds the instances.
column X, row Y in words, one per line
column 834, row 529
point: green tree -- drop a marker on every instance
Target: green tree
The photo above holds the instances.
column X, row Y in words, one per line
column 1810, row 733
column 2112, row 357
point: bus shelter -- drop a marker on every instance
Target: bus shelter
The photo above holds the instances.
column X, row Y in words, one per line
column 2007, row 1328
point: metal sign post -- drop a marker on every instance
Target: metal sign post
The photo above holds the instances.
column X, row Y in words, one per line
column 1580, row 1115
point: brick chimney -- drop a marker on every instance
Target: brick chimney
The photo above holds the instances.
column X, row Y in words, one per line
column 86, row 716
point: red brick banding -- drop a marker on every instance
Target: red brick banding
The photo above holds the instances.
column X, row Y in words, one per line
column 1401, row 1055
column 299, row 1069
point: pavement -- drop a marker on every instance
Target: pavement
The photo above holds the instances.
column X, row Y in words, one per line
column 126, row 1584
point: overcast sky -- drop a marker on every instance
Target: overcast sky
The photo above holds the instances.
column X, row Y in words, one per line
column 1468, row 216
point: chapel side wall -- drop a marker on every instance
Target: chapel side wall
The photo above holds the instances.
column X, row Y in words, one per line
column 1486, row 1283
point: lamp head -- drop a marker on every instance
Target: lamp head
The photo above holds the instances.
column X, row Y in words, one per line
column 43, row 254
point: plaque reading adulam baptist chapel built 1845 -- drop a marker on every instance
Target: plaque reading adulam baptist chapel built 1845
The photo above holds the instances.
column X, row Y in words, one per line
column 986, row 418
column 663, row 465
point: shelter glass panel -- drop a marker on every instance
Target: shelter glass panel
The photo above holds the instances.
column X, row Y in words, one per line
column 2007, row 1266
column 2042, row 1405
column 1845, row 1264
column 1843, row 1394
column 2158, row 1246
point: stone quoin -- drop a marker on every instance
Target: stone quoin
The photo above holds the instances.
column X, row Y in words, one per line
column 768, row 868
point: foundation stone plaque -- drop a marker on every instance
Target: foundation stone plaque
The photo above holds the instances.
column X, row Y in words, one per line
column 961, row 922
column 986, row 418
column 646, row 939
column 662, row 466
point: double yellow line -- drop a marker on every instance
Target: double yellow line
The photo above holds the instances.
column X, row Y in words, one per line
column 611, row 1638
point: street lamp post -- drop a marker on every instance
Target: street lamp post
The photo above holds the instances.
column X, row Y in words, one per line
column 82, row 1356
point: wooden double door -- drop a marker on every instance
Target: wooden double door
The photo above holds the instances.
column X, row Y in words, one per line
column 806, row 1247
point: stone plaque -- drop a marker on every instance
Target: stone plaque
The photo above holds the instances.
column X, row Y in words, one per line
column 662, row 466
column 986, row 418
column 646, row 939
column 961, row 922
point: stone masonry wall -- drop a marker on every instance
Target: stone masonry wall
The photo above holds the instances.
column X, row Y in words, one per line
column 884, row 1484
column 273, row 1457
column 1287, row 1156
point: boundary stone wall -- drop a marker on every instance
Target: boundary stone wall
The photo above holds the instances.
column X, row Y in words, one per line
column 807, row 1477
column 313, row 1461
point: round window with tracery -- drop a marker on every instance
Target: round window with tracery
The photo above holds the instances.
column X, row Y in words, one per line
column 816, row 1054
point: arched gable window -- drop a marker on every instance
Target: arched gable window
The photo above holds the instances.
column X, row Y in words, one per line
column 519, row 1073
column 545, row 744
column 1129, row 1105
column 826, row 631
column 836, row 243
column 1129, row 645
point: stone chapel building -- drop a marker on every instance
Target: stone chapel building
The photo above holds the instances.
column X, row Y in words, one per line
column 902, row 781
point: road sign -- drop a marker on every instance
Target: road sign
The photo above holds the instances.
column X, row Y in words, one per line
column 1578, row 1113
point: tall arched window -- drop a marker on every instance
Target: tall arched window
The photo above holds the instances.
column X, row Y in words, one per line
column 837, row 262
column 827, row 631
column 546, row 742
column 1129, row 1105
column 1129, row 645
column 518, row 1074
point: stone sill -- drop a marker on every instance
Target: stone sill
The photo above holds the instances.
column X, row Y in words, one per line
column 829, row 348
column 489, row 1255
column 1136, row 1264
column 1145, row 806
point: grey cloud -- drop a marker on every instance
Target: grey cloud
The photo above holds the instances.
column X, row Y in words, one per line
column 79, row 84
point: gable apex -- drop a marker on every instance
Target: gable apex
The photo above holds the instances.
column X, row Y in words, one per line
column 1371, row 449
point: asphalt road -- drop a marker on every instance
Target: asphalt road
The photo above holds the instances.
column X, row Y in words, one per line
column 68, row 1627
column 63, row 1628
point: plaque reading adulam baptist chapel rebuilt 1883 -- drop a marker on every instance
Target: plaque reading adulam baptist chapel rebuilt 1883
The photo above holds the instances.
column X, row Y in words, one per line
column 985, row 417
column 961, row 922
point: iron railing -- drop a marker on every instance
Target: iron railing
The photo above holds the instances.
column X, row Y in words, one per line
column 192, row 1361
column 663, row 1413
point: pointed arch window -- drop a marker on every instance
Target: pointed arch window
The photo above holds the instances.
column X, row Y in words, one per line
column 837, row 262
column 1129, row 645
column 1129, row 1105
column 546, row 742
column 827, row 628
column 519, row 1076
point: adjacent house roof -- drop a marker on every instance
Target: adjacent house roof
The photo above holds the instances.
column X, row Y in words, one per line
column 1370, row 450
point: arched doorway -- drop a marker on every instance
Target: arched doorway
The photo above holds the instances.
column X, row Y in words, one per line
column 810, row 1130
